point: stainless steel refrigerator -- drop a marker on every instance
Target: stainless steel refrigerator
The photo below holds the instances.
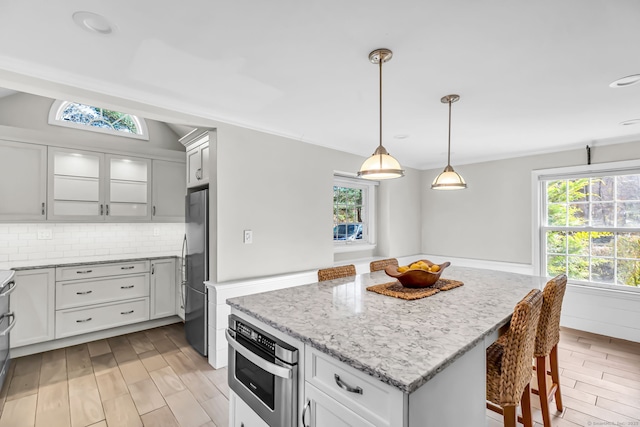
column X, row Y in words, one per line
column 196, row 268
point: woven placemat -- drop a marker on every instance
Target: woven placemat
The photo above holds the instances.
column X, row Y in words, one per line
column 395, row 289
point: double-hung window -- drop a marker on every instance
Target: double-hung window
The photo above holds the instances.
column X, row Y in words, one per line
column 353, row 213
column 589, row 224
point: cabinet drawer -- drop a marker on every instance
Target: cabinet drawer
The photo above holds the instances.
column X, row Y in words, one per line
column 378, row 403
column 79, row 321
column 89, row 271
column 79, row 293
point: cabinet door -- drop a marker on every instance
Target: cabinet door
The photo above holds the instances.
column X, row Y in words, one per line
column 241, row 415
column 23, row 181
column 168, row 191
column 204, row 155
column 323, row 411
column 163, row 288
column 75, row 190
column 194, row 167
column 33, row 303
column 128, row 190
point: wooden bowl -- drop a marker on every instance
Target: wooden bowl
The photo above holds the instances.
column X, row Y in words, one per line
column 417, row 278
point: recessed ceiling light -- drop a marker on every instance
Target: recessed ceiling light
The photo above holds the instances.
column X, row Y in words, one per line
column 630, row 122
column 626, row 81
column 93, row 22
column 402, row 136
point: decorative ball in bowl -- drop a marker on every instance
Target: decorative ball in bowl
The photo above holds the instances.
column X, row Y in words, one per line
column 418, row 274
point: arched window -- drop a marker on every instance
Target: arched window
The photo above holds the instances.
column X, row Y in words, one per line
column 96, row 119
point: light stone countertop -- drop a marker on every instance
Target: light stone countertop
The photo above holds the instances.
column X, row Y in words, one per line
column 402, row 343
column 53, row 263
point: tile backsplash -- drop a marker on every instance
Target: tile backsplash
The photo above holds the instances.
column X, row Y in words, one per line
column 51, row 243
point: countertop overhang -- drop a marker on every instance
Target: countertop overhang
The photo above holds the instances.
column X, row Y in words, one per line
column 401, row 343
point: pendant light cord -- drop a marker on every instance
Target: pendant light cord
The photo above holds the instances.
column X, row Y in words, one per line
column 449, row 146
column 380, row 108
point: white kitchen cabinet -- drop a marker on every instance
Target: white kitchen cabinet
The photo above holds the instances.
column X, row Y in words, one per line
column 323, row 411
column 33, row 303
column 241, row 415
column 23, row 181
column 91, row 186
column 198, row 144
column 163, row 288
column 168, row 191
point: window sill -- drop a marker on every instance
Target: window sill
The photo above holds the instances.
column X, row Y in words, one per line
column 604, row 287
column 353, row 247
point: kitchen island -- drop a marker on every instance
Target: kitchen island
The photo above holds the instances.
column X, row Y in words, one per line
column 430, row 352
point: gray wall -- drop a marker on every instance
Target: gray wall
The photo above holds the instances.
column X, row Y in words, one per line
column 282, row 190
column 27, row 111
column 492, row 219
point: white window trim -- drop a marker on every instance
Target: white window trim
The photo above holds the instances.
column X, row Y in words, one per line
column 537, row 176
column 59, row 105
column 348, row 179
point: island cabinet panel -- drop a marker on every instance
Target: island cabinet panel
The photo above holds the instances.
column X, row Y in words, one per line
column 366, row 398
column 33, row 303
column 323, row 411
column 241, row 415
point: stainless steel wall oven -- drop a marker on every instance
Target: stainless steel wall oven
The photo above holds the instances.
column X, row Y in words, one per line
column 263, row 372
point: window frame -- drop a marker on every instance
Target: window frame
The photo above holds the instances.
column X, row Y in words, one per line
column 59, row 106
column 538, row 177
column 368, row 242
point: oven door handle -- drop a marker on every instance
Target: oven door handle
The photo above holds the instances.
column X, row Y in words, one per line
column 12, row 287
column 11, row 325
column 272, row 368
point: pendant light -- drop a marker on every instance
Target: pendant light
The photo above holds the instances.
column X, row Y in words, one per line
column 449, row 179
column 381, row 165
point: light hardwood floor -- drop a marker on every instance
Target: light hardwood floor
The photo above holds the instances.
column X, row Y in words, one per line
column 154, row 378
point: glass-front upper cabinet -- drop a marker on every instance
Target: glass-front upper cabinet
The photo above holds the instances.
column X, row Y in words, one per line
column 128, row 188
column 90, row 186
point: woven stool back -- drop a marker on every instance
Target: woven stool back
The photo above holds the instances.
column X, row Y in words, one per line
column 548, row 334
column 518, row 348
column 382, row 264
column 336, row 272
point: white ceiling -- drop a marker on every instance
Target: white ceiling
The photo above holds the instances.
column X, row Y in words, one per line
column 533, row 76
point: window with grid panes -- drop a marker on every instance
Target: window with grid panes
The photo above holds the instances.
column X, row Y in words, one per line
column 352, row 211
column 590, row 227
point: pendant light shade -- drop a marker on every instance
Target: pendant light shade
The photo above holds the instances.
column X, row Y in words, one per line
column 449, row 179
column 381, row 165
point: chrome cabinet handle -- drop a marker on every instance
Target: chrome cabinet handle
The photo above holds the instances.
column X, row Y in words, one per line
column 153, row 269
column 84, row 271
column 345, row 386
column 199, row 174
column 127, row 312
column 153, row 211
column 84, row 320
column 11, row 324
column 101, row 209
column 127, row 287
column 12, row 287
column 304, row 413
column 107, row 206
column 84, row 293
column 129, row 267
column 42, row 208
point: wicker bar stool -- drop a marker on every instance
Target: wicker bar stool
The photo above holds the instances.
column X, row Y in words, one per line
column 547, row 340
column 336, row 272
column 381, row 264
column 509, row 363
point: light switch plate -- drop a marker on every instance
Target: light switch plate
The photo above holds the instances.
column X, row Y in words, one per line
column 248, row 237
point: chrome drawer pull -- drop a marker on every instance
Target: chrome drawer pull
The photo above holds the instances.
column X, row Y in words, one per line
column 11, row 324
column 84, row 320
column 83, row 293
column 127, row 312
column 84, row 272
column 127, row 287
column 128, row 268
column 342, row 385
column 11, row 287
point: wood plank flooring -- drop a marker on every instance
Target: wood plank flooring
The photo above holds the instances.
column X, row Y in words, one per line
column 151, row 378
column 599, row 379
column 155, row 379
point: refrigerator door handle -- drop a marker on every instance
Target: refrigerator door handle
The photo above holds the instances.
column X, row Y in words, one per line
column 183, row 265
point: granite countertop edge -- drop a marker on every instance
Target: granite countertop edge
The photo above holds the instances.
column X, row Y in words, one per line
column 402, row 386
column 75, row 264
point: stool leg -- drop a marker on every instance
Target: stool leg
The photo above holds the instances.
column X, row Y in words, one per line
column 543, row 390
column 525, row 402
column 510, row 416
column 555, row 375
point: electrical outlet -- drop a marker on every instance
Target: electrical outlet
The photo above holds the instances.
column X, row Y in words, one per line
column 156, row 231
column 248, row 237
column 45, row 234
